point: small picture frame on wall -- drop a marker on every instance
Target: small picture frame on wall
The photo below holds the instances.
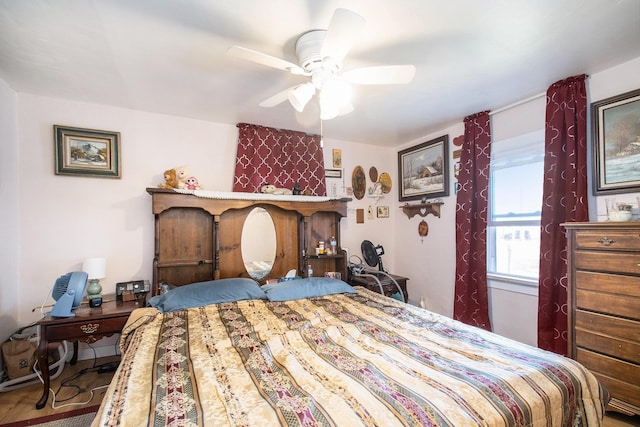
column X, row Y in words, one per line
column 333, row 173
column 616, row 144
column 337, row 157
column 382, row 212
column 86, row 152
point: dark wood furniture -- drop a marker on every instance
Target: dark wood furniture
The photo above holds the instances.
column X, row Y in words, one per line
column 88, row 325
column 198, row 238
column 604, row 306
column 388, row 286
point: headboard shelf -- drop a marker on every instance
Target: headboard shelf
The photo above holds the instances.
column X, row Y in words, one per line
column 198, row 236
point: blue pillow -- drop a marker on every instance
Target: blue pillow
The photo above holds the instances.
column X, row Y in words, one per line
column 205, row 293
column 306, row 288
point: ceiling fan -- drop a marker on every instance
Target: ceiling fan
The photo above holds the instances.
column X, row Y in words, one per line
column 320, row 54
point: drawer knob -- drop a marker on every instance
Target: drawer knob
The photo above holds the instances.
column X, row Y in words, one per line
column 89, row 328
column 605, row 241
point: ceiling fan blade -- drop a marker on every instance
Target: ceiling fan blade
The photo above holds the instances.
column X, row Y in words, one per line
column 382, row 75
column 264, row 59
column 344, row 28
column 276, row 99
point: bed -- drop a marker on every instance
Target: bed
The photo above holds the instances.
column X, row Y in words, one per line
column 319, row 352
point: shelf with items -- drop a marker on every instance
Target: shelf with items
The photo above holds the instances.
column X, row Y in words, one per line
column 335, row 263
column 422, row 209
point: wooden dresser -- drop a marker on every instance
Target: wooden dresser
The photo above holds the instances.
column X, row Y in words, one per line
column 604, row 306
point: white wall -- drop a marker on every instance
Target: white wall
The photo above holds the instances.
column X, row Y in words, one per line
column 9, row 212
column 429, row 262
column 65, row 219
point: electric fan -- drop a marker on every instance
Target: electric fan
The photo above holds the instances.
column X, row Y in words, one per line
column 68, row 291
column 372, row 254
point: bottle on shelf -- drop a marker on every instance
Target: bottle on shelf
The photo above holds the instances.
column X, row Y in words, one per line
column 309, row 271
column 334, row 245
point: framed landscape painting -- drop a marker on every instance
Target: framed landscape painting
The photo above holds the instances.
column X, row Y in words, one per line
column 86, row 152
column 423, row 170
column 616, row 144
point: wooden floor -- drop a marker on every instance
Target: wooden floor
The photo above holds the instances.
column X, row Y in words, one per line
column 20, row 404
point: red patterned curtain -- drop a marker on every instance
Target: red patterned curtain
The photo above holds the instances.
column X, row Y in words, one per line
column 564, row 199
column 279, row 157
column 471, row 304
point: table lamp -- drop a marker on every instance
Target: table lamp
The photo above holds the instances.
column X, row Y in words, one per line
column 96, row 269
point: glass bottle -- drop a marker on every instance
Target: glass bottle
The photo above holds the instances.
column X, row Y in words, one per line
column 309, row 271
column 334, row 245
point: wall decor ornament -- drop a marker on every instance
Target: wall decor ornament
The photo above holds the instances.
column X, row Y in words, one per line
column 358, row 182
column 616, row 144
column 383, row 212
column 423, row 170
column 86, row 152
column 337, row 157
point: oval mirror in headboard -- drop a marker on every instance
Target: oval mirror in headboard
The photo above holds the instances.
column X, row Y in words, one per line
column 258, row 243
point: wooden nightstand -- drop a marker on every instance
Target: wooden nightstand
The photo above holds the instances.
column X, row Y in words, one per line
column 88, row 325
column 387, row 284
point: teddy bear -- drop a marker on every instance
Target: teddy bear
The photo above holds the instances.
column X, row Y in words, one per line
column 182, row 173
column 272, row 189
column 170, row 180
column 192, row 183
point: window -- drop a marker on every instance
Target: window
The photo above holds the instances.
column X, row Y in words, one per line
column 515, row 202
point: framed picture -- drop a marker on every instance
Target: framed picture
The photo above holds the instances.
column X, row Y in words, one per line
column 423, row 170
column 616, row 144
column 337, row 157
column 383, row 212
column 333, row 173
column 86, row 152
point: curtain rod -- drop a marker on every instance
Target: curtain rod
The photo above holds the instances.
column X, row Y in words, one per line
column 515, row 104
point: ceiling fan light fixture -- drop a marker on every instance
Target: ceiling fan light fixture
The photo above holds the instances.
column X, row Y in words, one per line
column 335, row 99
column 300, row 95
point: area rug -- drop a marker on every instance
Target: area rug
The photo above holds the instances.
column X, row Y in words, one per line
column 77, row 418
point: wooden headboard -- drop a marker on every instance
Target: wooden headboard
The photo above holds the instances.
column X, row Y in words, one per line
column 197, row 236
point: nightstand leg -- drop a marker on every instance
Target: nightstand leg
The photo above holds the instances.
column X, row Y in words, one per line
column 43, row 363
column 74, row 358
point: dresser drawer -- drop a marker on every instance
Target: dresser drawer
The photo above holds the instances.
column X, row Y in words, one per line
column 618, row 389
column 81, row 330
column 618, row 305
column 614, row 262
column 609, row 366
column 608, row 283
column 611, row 346
column 622, row 379
column 614, row 240
column 608, row 325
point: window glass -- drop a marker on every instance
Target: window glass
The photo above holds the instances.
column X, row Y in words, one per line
column 515, row 194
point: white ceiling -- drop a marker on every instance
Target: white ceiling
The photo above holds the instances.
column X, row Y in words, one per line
column 169, row 56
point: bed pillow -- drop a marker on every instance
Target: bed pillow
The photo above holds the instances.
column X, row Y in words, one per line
column 209, row 292
column 306, row 288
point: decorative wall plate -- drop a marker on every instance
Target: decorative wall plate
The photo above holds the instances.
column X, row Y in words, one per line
column 358, row 182
column 423, row 229
column 385, row 181
column 373, row 174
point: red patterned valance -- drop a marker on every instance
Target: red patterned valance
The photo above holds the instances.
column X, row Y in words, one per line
column 280, row 157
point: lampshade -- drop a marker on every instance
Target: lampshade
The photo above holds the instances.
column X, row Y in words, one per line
column 96, row 268
column 300, row 96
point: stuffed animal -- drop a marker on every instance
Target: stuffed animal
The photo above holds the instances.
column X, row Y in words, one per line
column 272, row 189
column 192, row 183
column 182, row 173
column 170, row 180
